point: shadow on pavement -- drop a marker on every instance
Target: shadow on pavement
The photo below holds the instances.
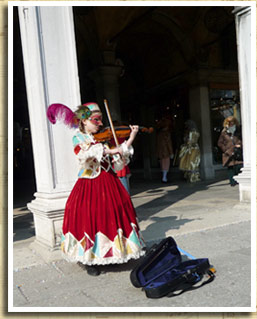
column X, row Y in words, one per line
column 168, row 194
column 23, row 225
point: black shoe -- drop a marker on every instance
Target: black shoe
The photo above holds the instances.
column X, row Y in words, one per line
column 92, row 271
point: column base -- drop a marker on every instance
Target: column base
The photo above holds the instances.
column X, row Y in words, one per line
column 48, row 211
column 244, row 180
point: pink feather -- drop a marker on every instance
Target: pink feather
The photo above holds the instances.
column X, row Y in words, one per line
column 62, row 113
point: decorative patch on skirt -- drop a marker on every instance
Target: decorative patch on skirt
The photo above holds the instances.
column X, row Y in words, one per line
column 103, row 251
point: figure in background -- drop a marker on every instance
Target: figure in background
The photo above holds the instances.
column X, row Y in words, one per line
column 100, row 224
column 164, row 145
column 189, row 154
column 230, row 143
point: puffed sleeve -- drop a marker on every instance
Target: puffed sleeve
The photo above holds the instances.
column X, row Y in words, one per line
column 86, row 150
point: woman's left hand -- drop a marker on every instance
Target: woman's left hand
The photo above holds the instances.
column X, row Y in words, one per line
column 134, row 130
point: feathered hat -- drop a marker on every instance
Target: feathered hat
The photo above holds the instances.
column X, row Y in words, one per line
column 63, row 113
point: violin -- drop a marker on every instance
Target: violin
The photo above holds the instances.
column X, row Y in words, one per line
column 121, row 132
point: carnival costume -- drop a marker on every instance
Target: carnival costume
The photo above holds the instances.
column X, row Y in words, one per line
column 229, row 141
column 100, row 224
column 189, row 154
column 164, row 142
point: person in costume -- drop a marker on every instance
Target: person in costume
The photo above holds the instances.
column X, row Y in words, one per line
column 100, row 225
column 229, row 142
column 189, row 153
column 164, row 145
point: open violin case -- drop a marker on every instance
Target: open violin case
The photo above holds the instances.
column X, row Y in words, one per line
column 163, row 273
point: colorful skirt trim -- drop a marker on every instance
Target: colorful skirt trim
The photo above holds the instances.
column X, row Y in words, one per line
column 103, row 251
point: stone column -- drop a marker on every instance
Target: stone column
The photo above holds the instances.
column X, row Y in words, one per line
column 51, row 75
column 200, row 113
column 106, row 79
column 243, row 31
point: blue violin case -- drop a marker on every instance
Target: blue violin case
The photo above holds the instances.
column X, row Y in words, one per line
column 163, row 273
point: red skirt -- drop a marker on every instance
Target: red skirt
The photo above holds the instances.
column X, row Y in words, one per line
column 100, row 224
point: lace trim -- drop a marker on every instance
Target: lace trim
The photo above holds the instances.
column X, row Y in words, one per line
column 127, row 151
column 104, row 261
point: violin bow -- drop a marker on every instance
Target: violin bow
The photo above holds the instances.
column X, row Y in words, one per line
column 110, row 121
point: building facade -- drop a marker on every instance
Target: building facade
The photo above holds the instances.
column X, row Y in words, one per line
column 143, row 60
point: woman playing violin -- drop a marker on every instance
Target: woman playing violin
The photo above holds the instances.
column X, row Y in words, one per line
column 100, row 224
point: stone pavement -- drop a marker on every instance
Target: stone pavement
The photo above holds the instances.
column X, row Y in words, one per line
column 206, row 219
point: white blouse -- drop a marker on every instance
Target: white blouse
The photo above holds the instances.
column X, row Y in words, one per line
column 91, row 157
